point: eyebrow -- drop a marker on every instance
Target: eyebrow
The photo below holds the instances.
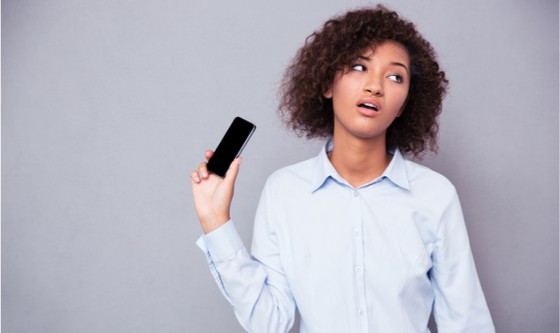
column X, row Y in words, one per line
column 400, row 64
column 393, row 63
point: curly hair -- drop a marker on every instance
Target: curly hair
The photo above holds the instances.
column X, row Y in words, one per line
column 342, row 40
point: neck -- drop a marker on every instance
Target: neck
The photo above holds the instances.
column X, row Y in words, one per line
column 359, row 161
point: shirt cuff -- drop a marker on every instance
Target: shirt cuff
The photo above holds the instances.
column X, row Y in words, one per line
column 221, row 243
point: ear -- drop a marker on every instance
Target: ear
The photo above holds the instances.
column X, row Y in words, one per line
column 328, row 93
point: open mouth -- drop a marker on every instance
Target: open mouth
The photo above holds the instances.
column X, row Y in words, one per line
column 369, row 106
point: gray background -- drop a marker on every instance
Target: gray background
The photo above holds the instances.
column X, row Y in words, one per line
column 108, row 105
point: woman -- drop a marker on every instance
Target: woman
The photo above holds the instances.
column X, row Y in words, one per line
column 358, row 238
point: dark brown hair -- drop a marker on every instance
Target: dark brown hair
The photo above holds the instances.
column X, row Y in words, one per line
column 342, row 40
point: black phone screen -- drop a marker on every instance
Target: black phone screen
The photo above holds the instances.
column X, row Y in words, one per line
column 231, row 146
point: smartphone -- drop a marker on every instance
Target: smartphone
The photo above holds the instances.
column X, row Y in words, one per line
column 231, row 146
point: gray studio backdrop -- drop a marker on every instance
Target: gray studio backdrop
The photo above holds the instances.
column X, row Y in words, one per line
column 108, row 105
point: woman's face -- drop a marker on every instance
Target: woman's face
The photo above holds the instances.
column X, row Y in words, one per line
column 369, row 94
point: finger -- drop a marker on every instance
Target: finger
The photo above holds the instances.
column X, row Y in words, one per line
column 203, row 170
column 208, row 154
column 195, row 177
column 233, row 170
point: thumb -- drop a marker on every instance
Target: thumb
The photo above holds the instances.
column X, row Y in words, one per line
column 233, row 170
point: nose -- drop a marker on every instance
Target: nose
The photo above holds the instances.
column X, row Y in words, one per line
column 374, row 85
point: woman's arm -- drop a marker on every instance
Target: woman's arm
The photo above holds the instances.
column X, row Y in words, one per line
column 258, row 291
column 460, row 305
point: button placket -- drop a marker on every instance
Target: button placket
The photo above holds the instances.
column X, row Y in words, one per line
column 358, row 264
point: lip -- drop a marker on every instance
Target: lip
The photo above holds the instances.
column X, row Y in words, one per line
column 367, row 111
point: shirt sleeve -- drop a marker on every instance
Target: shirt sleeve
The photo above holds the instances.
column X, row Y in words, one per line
column 459, row 305
column 260, row 295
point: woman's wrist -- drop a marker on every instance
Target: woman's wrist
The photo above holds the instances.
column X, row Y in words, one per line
column 213, row 223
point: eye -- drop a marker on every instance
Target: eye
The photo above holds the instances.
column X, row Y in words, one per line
column 359, row 67
column 395, row 77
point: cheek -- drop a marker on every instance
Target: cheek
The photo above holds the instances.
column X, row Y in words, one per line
column 345, row 89
column 404, row 99
column 400, row 98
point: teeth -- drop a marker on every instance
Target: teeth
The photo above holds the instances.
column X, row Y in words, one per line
column 369, row 105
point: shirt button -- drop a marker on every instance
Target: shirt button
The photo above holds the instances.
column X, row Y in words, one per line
column 361, row 312
column 358, row 269
column 356, row 193
column 356, row 232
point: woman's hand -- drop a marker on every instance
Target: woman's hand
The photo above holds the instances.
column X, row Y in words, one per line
column 213, row 194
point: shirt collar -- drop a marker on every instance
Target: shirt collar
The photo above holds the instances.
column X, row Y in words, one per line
column 396, row 171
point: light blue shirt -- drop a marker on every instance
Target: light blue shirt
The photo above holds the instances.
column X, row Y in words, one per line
column 371, row 259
